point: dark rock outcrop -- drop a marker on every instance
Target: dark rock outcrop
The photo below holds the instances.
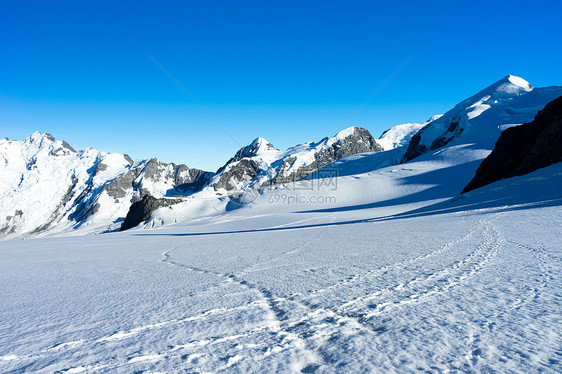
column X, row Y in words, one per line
column 244, row 170
column 523, row 149
column 415, row 148
column 141, row 210
column 189, row 179
column 129, row 159
column 184, row 178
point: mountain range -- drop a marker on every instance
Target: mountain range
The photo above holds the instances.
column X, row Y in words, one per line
column 47, row 187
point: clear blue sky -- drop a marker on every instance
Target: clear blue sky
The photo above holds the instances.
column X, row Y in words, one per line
column 289, row 71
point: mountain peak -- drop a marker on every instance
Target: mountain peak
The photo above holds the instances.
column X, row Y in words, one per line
column 346, row 132
column 510, row 84
column 517, row 80
column 39, row 136
column 259, row 141
column 258, row 146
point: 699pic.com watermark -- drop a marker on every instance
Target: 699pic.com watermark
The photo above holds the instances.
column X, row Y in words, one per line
column 288, row 199
column 321, row 183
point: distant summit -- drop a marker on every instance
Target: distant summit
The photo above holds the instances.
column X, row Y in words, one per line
column 511, row 100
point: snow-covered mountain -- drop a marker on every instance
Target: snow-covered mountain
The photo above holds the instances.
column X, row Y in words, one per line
column 523, row 149
column 459, row 148
column 46, row 186
column 261, row 164
column 254, row 167
column 508, row 102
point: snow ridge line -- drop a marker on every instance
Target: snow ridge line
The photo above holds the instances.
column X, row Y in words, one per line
column 126, row 334
column 169, row 354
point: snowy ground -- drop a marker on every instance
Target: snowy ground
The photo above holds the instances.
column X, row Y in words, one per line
column 412, row 282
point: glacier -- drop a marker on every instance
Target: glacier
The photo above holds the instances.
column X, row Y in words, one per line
column 379, row 265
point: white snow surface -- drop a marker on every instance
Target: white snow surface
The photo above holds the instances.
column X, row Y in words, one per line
column 400, row 135
column 407, row 282
column 381, row 268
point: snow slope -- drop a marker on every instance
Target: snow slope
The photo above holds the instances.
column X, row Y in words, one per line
column 482, row 117
column 365, row 266
column 411, row 283
column 40, row 177
column 400, row 135
column 456, row 155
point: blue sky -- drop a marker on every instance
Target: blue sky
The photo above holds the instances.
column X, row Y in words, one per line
column 289, row 71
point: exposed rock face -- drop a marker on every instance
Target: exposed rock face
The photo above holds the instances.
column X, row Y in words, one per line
column 261, row 164
column 359, row 140
column 141, row 210
column 186, row 179
column 180, row 178
column 143, row 180
column 415, row 148
column 523, row 149
column 244, row 170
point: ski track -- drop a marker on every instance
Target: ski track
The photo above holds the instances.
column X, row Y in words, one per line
column 338, row 315
column 259, row 265
column 386, row 269
column 298, row 331
column 277, row 314
column 438, row 282
column 312, row 330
